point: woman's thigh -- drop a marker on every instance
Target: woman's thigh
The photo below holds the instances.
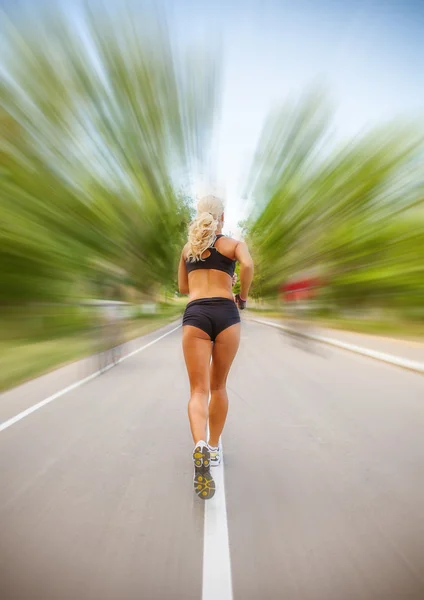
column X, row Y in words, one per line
column 223, row 354
column 197, row 348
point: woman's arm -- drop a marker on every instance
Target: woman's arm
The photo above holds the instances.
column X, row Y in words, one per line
column 246, row 269
column 182, row 275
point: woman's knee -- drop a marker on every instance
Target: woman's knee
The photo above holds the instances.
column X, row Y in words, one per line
column 218, row 386
column 199, row 390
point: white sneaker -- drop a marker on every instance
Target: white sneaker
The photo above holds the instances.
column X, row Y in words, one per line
column 216, row 454
column 203, row 482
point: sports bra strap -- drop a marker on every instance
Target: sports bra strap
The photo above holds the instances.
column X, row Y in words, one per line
column 220, row 235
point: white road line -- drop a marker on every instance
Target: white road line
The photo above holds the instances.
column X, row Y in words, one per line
column 404, row 363
column 77, row 384
column 217, row 582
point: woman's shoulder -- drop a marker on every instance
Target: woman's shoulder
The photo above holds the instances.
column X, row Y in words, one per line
column 230, row 241
column 227, row 246
column 226, row 238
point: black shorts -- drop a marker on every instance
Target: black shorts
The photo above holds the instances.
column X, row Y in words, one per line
column 211, row 315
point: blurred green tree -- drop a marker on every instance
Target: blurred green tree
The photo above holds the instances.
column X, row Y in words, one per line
column 102, row 119
column 353, row 212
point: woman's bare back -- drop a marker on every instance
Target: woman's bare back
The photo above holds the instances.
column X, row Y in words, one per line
column 211, row 283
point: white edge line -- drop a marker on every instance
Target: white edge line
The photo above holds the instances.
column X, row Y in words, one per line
column 404, row 363
column 216, row 580
column 77, row 384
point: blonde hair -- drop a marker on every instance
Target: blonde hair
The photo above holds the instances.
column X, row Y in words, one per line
column 202, row 231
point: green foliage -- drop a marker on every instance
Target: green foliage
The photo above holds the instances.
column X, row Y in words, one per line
column 237, row 285
column 353, row 214
column 100, row 124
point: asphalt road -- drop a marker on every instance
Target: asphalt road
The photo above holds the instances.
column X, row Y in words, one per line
column 324, row 481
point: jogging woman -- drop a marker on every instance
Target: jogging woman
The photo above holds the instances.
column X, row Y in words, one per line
column 211, row 330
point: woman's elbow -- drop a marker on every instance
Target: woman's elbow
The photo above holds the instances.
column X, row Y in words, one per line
column 183, row 289
column 247, row 266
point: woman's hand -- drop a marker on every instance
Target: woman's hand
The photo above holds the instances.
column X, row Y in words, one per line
column 240, row 302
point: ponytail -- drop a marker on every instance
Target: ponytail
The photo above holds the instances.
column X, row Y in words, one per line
column 201, row 235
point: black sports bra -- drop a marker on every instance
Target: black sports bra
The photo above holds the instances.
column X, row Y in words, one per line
column 215, row 260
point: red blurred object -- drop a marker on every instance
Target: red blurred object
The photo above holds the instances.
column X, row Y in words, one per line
column 300, row 289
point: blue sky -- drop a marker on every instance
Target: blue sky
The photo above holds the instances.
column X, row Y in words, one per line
column 369, row 54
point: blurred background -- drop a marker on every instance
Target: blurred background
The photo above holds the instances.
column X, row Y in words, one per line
column 115, row 117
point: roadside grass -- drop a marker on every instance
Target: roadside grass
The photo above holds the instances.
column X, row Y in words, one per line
column 401, row 329
column 24, row 360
